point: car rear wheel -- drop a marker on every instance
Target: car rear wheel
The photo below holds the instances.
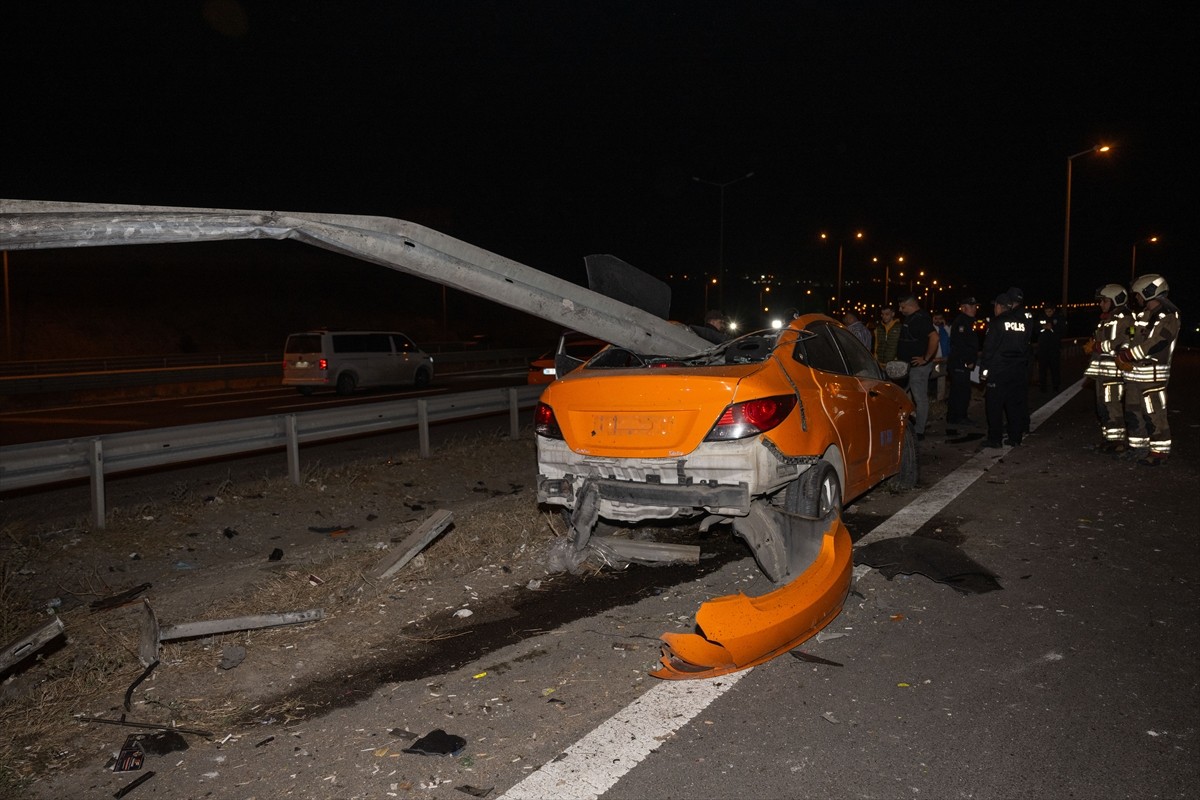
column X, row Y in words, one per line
column 346, row 383
column 816, row 493
column 421, row 380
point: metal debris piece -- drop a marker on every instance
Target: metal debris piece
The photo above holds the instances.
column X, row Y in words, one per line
column 129, row 692
column 117, row 600
column 437, row 522
column 810, row 658
column 153, row 635
column 147, row 725
column 646, row 552
column 124, row 790
column 474, row 791
column 16, row 650
column 437, row 743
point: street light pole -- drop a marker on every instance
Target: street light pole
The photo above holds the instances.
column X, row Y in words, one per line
column 1100, row 148
column 1133, row 260
column 721, row 233
column 838, row 299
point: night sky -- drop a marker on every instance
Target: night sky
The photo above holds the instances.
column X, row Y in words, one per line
column 546, row 131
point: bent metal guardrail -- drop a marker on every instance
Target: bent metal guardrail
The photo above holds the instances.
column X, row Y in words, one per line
column 27, row 466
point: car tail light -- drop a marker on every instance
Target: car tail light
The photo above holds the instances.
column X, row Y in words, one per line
column 544, row 422
column 322, row 364
column 752, row 417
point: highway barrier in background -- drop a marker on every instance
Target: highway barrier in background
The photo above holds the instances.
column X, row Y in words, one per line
column 27, row 466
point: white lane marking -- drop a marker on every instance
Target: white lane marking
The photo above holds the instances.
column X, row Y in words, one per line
column 934, row 499
column 591, row 766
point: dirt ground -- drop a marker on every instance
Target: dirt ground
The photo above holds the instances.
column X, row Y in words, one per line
column 221, row 549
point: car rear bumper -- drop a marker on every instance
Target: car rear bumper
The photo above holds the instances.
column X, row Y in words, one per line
column 717, row 477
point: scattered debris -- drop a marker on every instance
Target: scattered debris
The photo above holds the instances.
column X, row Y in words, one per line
column 463, row 613
column 935, row 559
column 229, row 533
column 437, row 743
column 437, row 522
column 533, row 585
column 124, row 790
column 231, row 656
column 153, row 636
column 118, row 600
column 829, row 717
column 131, row 757
column 825, row 636
column 265, row 741
column 475, row 791
column 276, row 555
column 16, row 650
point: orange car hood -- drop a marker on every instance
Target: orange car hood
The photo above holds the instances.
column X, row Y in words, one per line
column 651, row 412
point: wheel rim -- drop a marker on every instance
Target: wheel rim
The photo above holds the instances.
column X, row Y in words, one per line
column 831, row 495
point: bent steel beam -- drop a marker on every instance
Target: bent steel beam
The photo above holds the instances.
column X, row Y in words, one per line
column 737, row 632
column 392, row 243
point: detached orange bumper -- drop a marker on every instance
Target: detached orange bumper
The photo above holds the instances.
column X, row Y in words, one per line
column 737, row 631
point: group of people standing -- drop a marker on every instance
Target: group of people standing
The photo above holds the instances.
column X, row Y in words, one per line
column 1130, row 362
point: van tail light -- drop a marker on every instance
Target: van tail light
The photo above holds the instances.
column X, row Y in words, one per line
column 544, row 423
column 322, row 364
column 751, row 418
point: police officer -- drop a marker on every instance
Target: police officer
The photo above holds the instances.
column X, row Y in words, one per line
column 964, row 353
column 1146, row 361
column 1005, row 365
column 1018, row 298
column 1111, row 334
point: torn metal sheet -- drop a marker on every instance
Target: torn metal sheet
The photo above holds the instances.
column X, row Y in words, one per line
column 152, row 635
column 736, row 631
column 392, row 243
column 935, row 559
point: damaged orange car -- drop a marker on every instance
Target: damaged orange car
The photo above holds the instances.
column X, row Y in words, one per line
column 770, row 432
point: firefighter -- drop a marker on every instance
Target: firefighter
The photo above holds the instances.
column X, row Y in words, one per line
column 1146, row 364
column 1111, row 334
column 1005, row 366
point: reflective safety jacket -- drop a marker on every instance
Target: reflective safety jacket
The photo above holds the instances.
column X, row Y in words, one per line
column 1154, row 336
column 1114, row 332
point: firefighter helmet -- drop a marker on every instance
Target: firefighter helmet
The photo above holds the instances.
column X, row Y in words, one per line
column 1114, row 292
column 1149, row 286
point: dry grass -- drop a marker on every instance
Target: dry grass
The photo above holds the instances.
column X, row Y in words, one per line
column 91, row 672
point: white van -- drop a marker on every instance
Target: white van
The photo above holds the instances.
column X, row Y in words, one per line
column 350, row 360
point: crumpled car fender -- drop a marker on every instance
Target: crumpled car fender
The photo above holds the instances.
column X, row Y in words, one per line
column 736, row 631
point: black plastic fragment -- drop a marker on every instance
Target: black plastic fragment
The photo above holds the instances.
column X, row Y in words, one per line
column 437, row 743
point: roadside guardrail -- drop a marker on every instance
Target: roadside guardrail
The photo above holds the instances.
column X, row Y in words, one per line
column 25, row 466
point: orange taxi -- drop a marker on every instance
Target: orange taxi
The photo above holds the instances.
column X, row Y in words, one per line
column 578, row 347
column 770, row 432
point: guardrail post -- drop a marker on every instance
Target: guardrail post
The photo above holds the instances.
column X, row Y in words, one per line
column 423, row 426
column 514, row 417
column 96, row 470
column 293, row 449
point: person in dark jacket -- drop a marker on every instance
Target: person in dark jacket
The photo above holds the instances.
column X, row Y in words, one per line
column 964, row 354
column 1049, row 349
column 1005, row 365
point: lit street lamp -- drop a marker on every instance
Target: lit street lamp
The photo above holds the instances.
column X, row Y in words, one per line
column 721, row 233
column 1100, row 148
column 887, row 274
column 1133, row 260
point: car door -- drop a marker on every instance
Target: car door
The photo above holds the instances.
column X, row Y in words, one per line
column 883, row 402
column 405, row 359
column 843, row 401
